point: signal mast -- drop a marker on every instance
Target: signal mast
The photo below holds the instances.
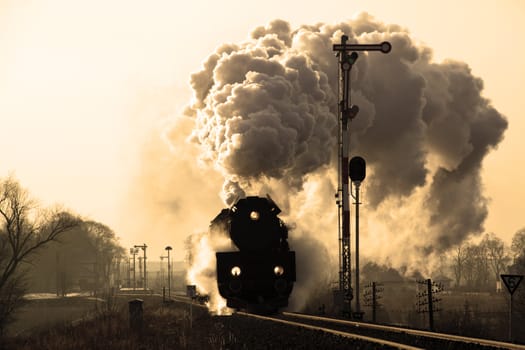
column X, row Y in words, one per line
column 347, row 57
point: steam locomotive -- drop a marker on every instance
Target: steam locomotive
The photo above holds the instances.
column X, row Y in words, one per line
column 259, row 277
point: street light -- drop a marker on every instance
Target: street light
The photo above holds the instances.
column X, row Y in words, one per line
column 162, row 276
column 168, row 248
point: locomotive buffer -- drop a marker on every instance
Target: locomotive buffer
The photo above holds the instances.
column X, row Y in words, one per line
column 347, row 56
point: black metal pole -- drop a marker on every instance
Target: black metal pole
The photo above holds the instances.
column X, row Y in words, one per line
column 169, row 275
column 430, row 309
column 134, row 271
column 357, row 303
column 145, row 275
column 374, row 302
column 510, row 319
column 168, row 248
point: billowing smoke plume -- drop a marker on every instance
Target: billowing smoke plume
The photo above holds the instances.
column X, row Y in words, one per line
column 202, row 272
column 266, row 118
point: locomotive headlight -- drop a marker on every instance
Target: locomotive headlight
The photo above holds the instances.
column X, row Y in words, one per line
column 236, row 271
column 278, row 270
column 254, row 215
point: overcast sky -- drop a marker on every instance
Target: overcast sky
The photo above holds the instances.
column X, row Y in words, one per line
column 86, row 88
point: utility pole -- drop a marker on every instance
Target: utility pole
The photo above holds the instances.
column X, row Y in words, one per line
column 143, row 247
column 347, row 112
column 168, row 248
column 427, row 300
column 430, row 305
column 372, row 295
column 129, row 272
column 134, row 252
column 141, row 279
column 374, row 302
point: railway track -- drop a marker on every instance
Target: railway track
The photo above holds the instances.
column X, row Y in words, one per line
column 317, row 325
column 373, row 335
column 404, row 338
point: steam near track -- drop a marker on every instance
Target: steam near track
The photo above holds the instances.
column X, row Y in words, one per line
column 265, row 117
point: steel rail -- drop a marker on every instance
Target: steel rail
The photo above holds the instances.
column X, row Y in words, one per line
column 409, row 331
column 382, row 342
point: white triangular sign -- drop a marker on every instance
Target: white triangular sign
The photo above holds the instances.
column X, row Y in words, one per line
column 511, row 282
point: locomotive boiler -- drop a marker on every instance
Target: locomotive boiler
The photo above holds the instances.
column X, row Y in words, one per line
column 260, row 275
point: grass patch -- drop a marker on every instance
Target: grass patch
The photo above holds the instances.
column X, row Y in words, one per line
column 165, row 327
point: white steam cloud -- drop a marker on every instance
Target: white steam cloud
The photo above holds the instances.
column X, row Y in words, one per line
column 266, row 117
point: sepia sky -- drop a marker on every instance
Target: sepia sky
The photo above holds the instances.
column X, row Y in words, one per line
column 87, row 87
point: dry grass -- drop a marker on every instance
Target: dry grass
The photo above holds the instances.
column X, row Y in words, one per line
column 170, row 327
column 164, row 327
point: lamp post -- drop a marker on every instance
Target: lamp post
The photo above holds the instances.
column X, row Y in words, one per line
column 168, row 248
column 162, row 275
column 162, row 279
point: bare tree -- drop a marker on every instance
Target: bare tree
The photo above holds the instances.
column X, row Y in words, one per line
column 459, row 264
column 476, row 267
column 24, row 229
column 518, row 244
column 496, row 254
column 108, row 252
column 518, row 267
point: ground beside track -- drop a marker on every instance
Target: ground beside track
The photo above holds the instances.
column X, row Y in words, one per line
column 169, row 326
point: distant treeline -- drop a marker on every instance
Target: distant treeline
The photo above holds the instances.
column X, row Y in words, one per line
column 85, row 259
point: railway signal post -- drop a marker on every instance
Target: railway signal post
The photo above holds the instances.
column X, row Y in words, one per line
column 357, row 169
column 347, row 57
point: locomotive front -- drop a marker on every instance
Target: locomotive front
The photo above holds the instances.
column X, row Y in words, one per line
column 260, row 276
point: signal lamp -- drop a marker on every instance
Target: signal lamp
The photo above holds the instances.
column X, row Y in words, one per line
column 353, row 57
column 254, row 215
column 357, row 169
column 354, row 109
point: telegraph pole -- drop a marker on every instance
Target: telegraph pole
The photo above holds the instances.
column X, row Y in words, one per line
column 427, row 300
column 372, row 295
column 347, row 111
